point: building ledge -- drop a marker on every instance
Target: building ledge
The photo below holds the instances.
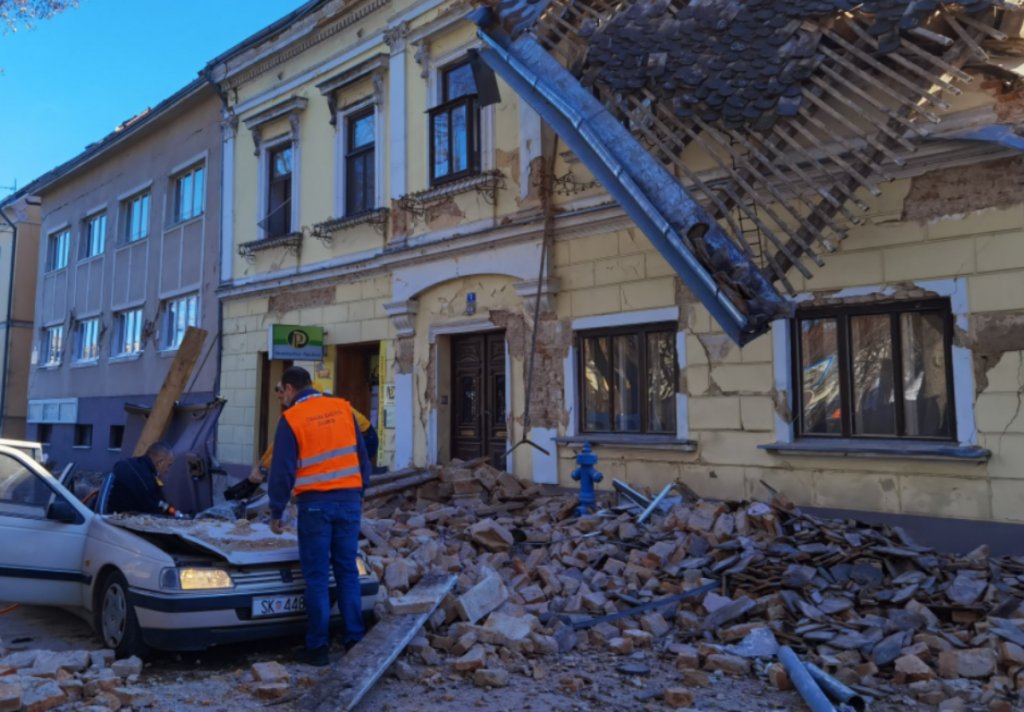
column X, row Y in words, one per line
column 487, row 184
column 378, row 218
column 886, row 449
column 126, row 358
column 292, row 242
column 85, row 364
column 630, row 442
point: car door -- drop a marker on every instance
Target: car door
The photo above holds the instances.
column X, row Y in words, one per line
column 42, row 535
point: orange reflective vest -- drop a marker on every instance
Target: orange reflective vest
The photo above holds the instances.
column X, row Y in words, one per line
column 328, row 449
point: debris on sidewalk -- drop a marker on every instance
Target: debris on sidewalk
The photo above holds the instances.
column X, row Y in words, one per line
column 40, row 680
column 865, row 603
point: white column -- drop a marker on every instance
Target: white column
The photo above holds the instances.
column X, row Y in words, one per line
column 404, row 420
column 545, row 467
column 395, row 37
column 229, row 127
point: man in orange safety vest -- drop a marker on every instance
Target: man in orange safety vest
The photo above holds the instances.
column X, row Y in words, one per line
column 319, row 455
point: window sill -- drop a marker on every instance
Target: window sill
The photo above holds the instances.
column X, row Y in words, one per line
column 180, row 223
column 48, row 367
column 631, row 442
column 91, row 258
column 81, row 447
column 125, row 358
column 292, row 242
column 85, row 364
column 378, row 217
column 487, row 184
column 886, row 449
column 122, row 245
column 167, row 353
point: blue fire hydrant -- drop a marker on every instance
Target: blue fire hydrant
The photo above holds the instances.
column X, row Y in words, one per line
column 586, row 475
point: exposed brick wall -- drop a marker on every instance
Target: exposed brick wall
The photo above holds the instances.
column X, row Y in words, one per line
column 965, row 189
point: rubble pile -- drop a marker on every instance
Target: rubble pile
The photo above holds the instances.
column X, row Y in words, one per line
column 883, row 615
column 40, row 680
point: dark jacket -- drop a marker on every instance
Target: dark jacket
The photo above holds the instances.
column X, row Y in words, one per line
column 135, row 487
column 282, row 468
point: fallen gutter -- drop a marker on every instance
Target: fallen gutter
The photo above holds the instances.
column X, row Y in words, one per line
column 649, row 194
column 803, row 681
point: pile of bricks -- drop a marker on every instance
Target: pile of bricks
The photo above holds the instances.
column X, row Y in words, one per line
column 885, row 616
column 39, row 680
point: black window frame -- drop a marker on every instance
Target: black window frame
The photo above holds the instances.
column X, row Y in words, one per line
column 446, row 108
column 842, row 315
column 115, row 438
column 367, row 155
column 285, row 210
column 641, row 331
column 82, row 436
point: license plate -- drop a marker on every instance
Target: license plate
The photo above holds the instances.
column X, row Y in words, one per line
column 264, row 606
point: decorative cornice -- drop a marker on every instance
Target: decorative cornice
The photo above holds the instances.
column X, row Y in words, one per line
column 378, row 218
column 549, row 287
column 292, row 242
column 395, row 37
column 403, row 316
column 290, row 107
column 229, row 127
column 288, row 53
column 422, row 58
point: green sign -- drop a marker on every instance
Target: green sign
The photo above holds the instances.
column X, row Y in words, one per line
column 296, row 343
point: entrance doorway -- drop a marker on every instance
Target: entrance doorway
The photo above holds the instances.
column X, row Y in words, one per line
column 478, row 397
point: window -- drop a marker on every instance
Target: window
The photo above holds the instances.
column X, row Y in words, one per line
column 44, row 433
column 136, row 218
column 455, row 127
column 57, row 251
column 188, row 194
column 629, row 378
column 53, row 344
column 22, row 492
column 279, row 197
column 360, row 176
column 116, row 437
column 83, row 435
column 87, row 340
column 180, row 314
column 92, row 237
column 128, row 339
column 879, row 371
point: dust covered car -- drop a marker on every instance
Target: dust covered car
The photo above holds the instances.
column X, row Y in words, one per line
column 146, row 582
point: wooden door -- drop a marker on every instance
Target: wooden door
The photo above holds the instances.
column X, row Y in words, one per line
column 478, row 398
column 353, row 377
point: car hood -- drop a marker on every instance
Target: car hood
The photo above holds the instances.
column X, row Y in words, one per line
column 241, row 543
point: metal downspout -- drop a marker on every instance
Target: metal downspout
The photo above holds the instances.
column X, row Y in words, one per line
column 10, row 315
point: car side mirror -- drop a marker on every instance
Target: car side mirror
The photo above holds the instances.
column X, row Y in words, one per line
column 62, row 511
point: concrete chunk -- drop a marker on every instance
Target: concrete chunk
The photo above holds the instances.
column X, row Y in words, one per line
column 10, row 695
column 491, row 535
column 270, row 672
column 495, row 677
column 127, row 668
column 678, row 697
column 39, row 695
column 483, row 598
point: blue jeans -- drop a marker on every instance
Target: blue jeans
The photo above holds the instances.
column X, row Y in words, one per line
column 372, row 442
column 329, row 538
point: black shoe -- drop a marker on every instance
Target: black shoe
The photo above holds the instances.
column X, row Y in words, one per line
column 351, row 644
column 316, row 657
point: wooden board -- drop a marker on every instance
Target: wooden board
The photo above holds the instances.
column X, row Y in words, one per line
column 174, row 385
column 357, row 672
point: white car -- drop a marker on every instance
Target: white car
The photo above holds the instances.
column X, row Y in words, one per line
column 143, row 588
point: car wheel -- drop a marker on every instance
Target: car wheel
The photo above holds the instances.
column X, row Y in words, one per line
column 116, row 623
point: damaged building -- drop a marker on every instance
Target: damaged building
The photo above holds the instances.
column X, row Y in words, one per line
column 766, row 242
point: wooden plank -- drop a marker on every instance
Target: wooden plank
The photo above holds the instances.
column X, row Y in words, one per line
column 352, row 676
column 174, row 385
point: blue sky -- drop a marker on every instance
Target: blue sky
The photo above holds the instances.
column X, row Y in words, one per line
column 73, row 79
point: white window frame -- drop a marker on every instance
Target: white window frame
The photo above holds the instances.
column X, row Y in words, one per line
column 46, row 347
column 962, row 360
column 178, row 176
column 165, row 326
column 264, row 180
column 118, row 349
column 53, row 411
column 85, row 239
column 341, row 148
column 85, row 328
column 127, row 206
column 611, row 321
column 437, row 67
column 56, row 235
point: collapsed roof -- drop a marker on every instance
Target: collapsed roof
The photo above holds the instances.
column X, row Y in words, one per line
column 799, row 104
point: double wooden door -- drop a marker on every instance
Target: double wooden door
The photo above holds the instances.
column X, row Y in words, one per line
column 479, row 408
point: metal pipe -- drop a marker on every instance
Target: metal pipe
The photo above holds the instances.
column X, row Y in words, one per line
column 654, row 505
column 803, row 681
column 837, row 690
column 10, row 319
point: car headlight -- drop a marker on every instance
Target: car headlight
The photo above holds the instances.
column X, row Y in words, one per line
column 195, row 579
